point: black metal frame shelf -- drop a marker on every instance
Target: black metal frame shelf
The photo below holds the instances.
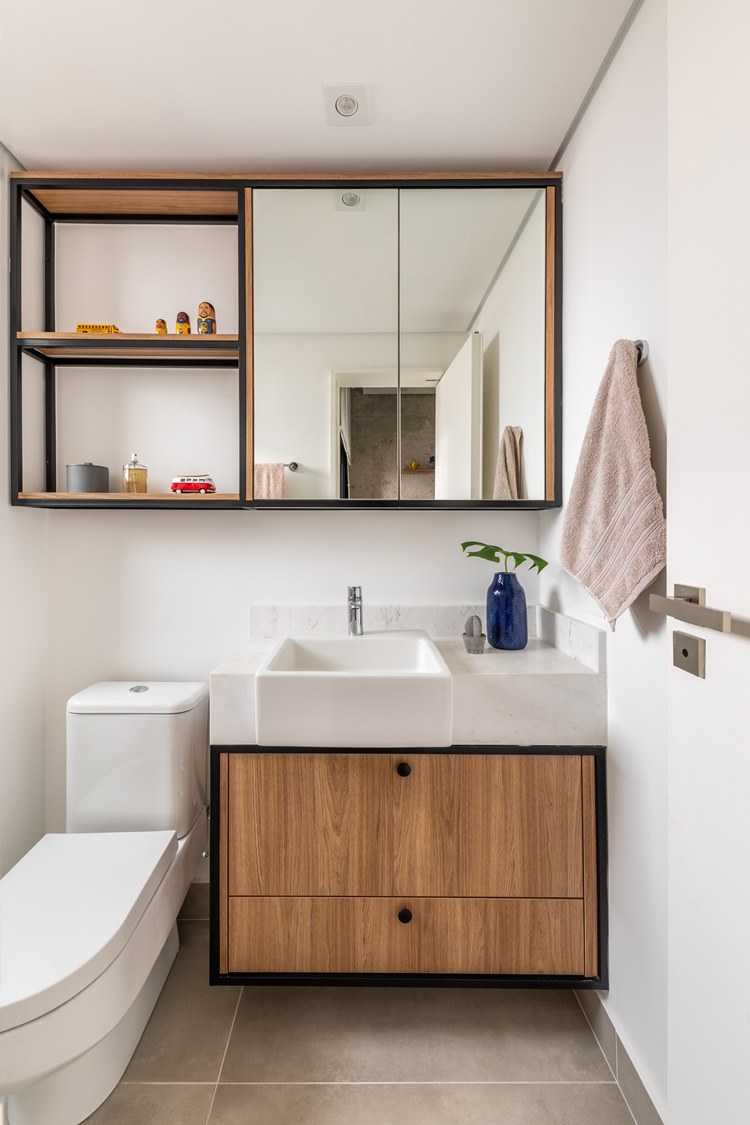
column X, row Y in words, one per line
column 125, row 349
column 60, row 198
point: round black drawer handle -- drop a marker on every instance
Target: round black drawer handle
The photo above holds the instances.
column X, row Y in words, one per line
column 403, row 769
column 405, row 915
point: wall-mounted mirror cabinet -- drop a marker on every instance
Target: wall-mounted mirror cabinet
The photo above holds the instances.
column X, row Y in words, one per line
column 388, row 342
column 404, row 343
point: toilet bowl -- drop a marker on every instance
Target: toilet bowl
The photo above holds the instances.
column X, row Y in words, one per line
column 88, row 918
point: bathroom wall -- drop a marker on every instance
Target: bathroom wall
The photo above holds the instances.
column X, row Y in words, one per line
column 512, row 326
column 614, row 207
column 165, row 595
column 23, row 612
column 708, row 539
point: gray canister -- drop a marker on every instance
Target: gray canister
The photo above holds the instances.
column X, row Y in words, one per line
column 87, row 478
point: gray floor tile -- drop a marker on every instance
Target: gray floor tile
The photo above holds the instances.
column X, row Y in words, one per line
column 635, row 1092
column 292, row 1034
column 185, row 1038
column 195, row 906
column 426, row 1105
column 154, row 1105
column 601, row 1024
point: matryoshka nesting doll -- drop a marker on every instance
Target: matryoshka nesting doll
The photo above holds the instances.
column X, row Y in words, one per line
column 206, row 318
column 161, row 327
column 183, row 324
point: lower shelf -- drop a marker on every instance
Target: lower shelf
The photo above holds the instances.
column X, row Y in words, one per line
column 443, row 935
column 128, row 499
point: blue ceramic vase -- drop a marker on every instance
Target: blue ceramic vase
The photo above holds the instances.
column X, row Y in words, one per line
column 506, row 613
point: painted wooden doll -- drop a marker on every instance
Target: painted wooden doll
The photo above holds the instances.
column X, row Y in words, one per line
column 206, row 318
column 183, row 324
column 161, row 327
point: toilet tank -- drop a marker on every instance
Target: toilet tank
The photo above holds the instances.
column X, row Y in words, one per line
column 137, row 756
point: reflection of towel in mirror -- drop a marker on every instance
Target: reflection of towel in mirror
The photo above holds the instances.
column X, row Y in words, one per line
column 508, row 470
column 614, row 535
column 268, row 481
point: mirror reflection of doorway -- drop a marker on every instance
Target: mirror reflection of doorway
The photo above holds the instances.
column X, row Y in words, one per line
column 368, row 449
column 437, row 413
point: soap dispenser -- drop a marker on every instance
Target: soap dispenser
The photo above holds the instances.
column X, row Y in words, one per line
column 134, row 476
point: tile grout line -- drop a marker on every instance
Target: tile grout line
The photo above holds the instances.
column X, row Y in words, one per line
column 617, row 1062
column 223, row 1057
column 405, row 1082
column 596, row 1039
column 409, row 1082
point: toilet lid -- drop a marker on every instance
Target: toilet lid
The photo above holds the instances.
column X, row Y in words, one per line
column 129, row 697
column 67, row 909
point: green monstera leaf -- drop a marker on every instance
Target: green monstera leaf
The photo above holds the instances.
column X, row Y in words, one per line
column 492, row 554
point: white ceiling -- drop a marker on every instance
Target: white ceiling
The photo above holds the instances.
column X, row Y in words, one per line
column 237, row 85
column 421, row 263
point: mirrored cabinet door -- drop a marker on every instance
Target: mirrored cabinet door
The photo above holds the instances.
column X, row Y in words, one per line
column 473, row 319
column 405, row 344
column 325, row 363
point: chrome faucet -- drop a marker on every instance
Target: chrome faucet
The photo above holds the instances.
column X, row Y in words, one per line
column 354, row 618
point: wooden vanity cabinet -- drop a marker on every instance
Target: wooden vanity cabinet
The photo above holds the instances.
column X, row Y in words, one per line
column 467, row 863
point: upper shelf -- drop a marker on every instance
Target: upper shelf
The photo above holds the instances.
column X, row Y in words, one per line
column 220, row 350
column 118, row 202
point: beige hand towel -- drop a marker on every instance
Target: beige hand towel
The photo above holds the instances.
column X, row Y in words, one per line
column 268, row 481
column 508, row 470
column 614, row 535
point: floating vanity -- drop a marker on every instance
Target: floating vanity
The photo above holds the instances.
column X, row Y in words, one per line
column 478, row 857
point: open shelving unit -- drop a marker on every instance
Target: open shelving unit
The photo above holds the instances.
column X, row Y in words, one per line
column 60, row 198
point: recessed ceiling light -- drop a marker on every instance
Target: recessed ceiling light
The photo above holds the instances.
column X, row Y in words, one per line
column 350, row 199
column 346, row 103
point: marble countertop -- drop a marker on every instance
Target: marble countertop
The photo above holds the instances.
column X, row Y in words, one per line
column 553, row 692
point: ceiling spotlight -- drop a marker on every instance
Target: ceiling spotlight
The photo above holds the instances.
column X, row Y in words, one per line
column 350, row 199
column 346, row 105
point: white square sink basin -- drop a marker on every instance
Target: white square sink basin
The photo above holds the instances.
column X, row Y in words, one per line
column 388, row 689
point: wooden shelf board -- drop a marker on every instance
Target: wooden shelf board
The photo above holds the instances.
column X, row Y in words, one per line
column 130, row 497
column 119, row 337
column 103, row 345
column 411, row 472
column 116, row 201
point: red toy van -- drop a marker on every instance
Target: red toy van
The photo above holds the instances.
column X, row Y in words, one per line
column 192, row 484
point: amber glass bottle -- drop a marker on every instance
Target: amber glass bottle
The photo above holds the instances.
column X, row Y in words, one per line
column 134, row 476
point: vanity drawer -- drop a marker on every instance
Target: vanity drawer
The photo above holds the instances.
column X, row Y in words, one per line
column 309, row 824
column 422, row 824
column 443, row 935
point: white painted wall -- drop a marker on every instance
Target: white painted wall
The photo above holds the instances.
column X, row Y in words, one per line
column 458, row 431
column 23, row 613
column 512, row 325
column 177, row 421
column 708, row 545
column 614, row 214
column 165, row 595
column 129, row 274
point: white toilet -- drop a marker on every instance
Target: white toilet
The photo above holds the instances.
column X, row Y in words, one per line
column 88, row 919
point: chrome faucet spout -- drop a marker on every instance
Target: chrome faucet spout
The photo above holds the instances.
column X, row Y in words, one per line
column 354, row 614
